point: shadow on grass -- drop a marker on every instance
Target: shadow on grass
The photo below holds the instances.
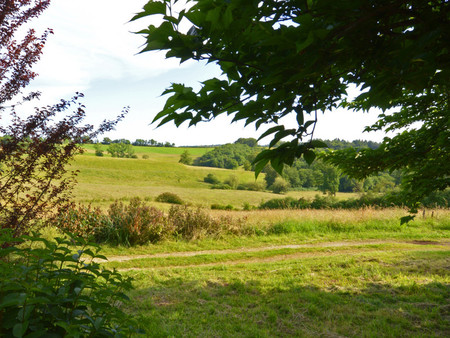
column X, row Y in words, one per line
column 205, row 308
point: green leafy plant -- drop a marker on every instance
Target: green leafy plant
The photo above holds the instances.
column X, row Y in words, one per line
column 55, row 289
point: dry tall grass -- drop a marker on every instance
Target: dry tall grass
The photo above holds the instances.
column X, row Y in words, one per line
column 268, row 217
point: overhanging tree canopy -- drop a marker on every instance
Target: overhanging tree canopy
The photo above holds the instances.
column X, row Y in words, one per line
column 299, row 57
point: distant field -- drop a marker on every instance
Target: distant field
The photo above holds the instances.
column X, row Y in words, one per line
column 105, row 179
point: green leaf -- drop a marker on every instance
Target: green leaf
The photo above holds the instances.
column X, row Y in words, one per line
column 309, row 156
column 259, row 166
column 151, row 8
column 318, row 144
column 20, row 328
column 13, row 299
column 300, row 118
column 271, row 131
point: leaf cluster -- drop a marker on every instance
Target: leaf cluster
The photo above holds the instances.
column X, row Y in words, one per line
column 34, row 156
column 48, row 289
column 299, row 58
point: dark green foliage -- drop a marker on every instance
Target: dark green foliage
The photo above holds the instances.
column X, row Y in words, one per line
column 212, row 179
column 387, row 200
column 221, row 207
column 186, row 158
column 169, row 197
column 285, row 203
column 299, row 58
column 228, row 156
column 330, row 180
column 251, row 142
column 53, row 289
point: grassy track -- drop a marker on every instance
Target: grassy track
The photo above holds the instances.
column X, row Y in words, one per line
column 392, row 289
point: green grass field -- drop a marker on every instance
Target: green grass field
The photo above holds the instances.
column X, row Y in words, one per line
column 319, row 275
column 301, row 273
column 105, row 179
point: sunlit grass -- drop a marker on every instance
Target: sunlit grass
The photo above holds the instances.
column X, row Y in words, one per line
column 102, row 180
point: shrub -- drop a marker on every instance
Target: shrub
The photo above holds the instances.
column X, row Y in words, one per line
column 120, row 150
column 221, row 207
column 53, row 291
column 98, row 149
column 168, row 197
column 145, row 157
column 221, row 186
column 232, row 181
column 186, row 158
column 211, row 178
column 252, row 186
column 323, row 202
column 79, row 220
column 193, row 224
column 280, row 186
column 132, row 224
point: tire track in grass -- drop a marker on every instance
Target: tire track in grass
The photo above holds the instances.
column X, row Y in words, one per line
column 265, row 248
column 281, row 257
column 431, row 245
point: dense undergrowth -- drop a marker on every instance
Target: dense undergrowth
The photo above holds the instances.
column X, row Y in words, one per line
column 53, row 288
column 137, row 223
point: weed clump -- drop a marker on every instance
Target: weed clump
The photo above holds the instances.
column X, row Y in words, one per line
column 137, row 223
column 132, row 224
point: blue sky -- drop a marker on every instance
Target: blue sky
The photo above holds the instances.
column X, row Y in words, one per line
column 94, row 51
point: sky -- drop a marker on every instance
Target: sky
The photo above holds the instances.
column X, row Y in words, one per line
column 94, row 51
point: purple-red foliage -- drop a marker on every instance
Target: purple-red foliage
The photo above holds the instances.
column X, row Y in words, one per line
column 17, row 58
column 34, row 155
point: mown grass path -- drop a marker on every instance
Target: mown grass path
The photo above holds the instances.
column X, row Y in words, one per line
column 359, row 288
column 124, row 258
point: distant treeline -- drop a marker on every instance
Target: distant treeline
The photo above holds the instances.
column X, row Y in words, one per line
column 300, row 175
column 138, row 142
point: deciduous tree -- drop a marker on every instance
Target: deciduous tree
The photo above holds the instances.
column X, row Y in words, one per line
column 285, row 57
